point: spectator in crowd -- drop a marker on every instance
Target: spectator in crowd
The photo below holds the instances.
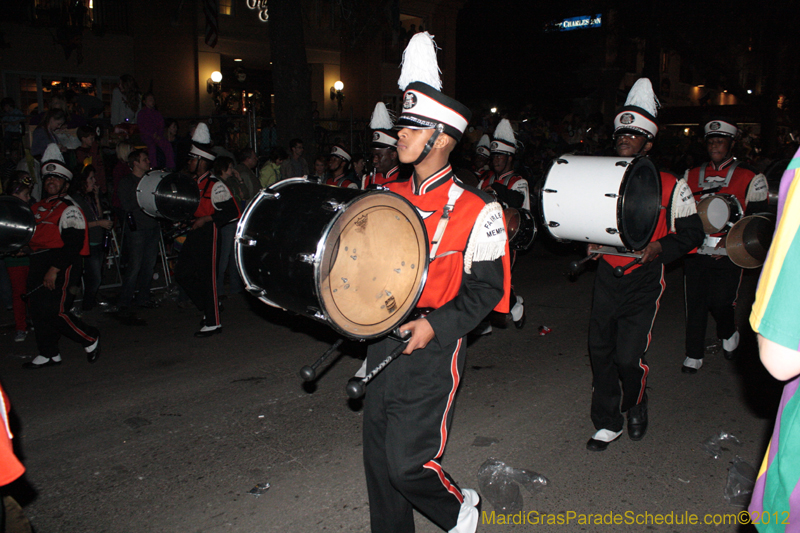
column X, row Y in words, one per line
column 121, row 169
column 141, row 237
column 271, row 172
column 225, row 171
column 89, row 153
column 151, row 128
column 359, row 168
column 90, row 105
column 45, row 132
column 269, row 136
column 171, row 133
column 18, row 265
column 125, row 102
column 246, row 169
column 13, row 122
column 85, row 191
column 296, row 165
column 320, row 167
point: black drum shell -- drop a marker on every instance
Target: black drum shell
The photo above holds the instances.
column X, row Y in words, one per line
column 17, row 224
column 174, row 197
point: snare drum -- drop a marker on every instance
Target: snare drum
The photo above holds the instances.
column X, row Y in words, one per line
column 17, row 224
column 719, row 212
column 521, row 228
column 168, row 195
column 613, row 201
column 356, row 260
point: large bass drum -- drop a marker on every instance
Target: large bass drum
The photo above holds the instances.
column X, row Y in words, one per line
column 168, row 195
column 356, row 260
column 17, row 224
column 613, row 201
column 521, row 228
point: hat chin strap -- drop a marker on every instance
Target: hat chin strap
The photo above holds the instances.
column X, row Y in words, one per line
column 429, row 145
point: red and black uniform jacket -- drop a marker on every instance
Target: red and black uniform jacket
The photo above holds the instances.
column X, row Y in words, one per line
column 61, row 231
column 346, row 181
column 380, row 179
column 470, row 275
column 730, row 177
column 679, row 228
column 511, row 188
column 216, row 201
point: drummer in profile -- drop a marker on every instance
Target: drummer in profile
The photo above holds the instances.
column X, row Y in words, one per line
column 624, row 308
column 409, row 405
column 385, row 163
column 197, row 262
column 712, row 281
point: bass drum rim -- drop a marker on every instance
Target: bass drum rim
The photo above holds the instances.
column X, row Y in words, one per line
column 326, row 262
column 24, row 229
column 151, row 197
column 517, row 212
column 623, row 203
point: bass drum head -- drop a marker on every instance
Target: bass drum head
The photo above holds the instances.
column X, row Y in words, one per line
column 640, row 203
column 374, row 265
column 17, row 224
column 177, row 197
column 521, row 228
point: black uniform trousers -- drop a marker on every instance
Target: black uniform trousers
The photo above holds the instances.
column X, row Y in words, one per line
column 196, row 271
column 407, row 415
column 623, row 312
column 50, row 310
column 711, row 285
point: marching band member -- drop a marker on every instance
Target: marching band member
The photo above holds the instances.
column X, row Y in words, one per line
column 408, row 406
column 338, row 164
column 196, row 270
column 624, row 308
column 712, row 281
column 384, row 148
column 510, row 188
column 480, row 161
column 60, row 239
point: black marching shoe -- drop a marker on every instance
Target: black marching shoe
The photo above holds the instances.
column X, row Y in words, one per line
column 600, row 440
column 730, row 356
column 207, row 331
column 93, row 350
column 637, row 421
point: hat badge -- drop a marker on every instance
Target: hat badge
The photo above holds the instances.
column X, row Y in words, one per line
column 50, row 167
column 376, row 136
column 627, row 118
column 409, row 100
column 495, row 145
column 714, row 126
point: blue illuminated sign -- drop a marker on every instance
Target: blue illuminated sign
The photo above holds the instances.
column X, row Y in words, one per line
column 578, row 23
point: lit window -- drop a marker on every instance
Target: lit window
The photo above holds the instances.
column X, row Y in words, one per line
column 226, row 7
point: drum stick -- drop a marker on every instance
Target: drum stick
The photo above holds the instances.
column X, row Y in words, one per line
column 575, row 266
column 24, row 297
column 308, row 373
column 620, row 270
column 356, row 388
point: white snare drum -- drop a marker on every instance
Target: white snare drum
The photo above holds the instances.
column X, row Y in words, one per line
column 168, row 195
column 613, row 201
column 719, row 212
column 356, row 260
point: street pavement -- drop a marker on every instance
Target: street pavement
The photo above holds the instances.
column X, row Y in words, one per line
column 169, row 433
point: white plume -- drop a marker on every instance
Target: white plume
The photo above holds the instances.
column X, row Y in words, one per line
column 201, row 134
column 484, row 141
column 504, row 132
column 381, row 118
column 419, row 63
column 52, row 153
column 642, row 95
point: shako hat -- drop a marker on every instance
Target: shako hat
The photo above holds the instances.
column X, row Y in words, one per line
column 341, row 153
column 53, row 163
column 201, row 143
column 482, row 148
column 382, row 125
column 638, row 115
column 424, row 105
column 505, row 142
column 720, row 127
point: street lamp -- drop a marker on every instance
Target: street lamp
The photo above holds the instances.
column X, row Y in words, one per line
column 493, row 110
column 337, row 93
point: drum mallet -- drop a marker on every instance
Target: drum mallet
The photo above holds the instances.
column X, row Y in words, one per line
column 24, row 297
column 357, row 387
column 620, row 270
column 308, row 373
column 575, row 266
